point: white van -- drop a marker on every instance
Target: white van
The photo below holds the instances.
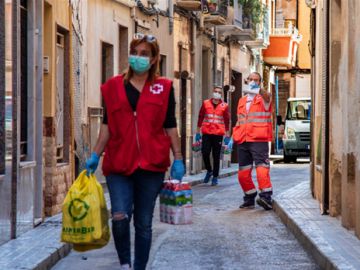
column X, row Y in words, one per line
column 296, row 139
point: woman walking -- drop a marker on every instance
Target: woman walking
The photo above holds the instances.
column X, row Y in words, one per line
column 138, row 131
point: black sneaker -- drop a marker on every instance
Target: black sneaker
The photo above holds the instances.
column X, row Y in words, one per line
column 248, row 205
column 265, row 203
column 207, row 177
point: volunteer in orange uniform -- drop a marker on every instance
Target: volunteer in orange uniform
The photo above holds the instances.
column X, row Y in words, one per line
column 252, row 133
column 214, row 124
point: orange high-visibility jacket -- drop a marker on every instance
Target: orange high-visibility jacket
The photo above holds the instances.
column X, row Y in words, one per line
column 255, row 125
column 213, row 122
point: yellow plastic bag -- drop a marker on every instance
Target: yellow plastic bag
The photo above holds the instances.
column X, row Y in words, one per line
column 85, row 215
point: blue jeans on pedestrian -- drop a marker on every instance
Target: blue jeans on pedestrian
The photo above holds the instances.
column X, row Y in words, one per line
column 133, row 195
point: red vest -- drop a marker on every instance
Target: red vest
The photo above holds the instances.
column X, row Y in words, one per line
column 254, row 126
column 137, row 139
column 213, row 122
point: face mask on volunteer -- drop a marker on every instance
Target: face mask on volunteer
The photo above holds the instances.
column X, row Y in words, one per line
column 139, row 64
column 216, row 95
column 253, row 84
column 251, row 88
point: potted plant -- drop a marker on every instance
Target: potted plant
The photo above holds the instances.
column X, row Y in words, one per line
column 253, row 11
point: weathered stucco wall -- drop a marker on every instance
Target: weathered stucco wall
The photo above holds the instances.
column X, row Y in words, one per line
column 103, row 21
column 344, row 100
column 304, row 58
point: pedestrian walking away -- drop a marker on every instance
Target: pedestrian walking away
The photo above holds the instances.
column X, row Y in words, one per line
column 137, row 133
column 213, row 123
column 252, row 133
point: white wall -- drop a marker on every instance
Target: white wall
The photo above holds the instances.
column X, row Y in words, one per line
column 303, row 85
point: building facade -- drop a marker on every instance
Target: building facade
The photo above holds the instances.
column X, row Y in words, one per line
column 288, row 58
column 335, row 158
column 54, row 56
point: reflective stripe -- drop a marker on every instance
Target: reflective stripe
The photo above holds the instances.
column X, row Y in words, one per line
column 255, row 120
column 251, row 191
column 213, row 121
column 218, row 121
column 241, row 116
column 266, row 189
column 263, row 165
column 213, row 116
column 259, row 114
column 243, row 122
column 246, row 167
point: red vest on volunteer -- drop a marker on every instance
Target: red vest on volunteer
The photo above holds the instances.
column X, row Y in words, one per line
column 213, row 122
column 255, row 125
column 137, row 139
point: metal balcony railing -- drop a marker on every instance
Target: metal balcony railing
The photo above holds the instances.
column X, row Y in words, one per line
column 291, row 31
column 263, row 30
column 242, row 19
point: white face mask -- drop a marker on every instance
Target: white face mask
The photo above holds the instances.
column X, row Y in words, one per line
column 216, row 95
column 252, row 84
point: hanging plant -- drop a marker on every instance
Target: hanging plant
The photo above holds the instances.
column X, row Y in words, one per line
column 254, row 9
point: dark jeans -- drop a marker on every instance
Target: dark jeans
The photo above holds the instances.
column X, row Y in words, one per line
column 212, row 143
column 135, row 194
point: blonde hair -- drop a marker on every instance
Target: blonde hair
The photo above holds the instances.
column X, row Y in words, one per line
column 155, row 51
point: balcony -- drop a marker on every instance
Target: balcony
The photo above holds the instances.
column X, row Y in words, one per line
column 262, row 39
column 239, row 26
column 190, row 5
column 283, row 47
column 215, row 12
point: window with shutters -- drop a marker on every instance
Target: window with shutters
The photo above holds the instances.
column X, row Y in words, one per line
column 62, row 98
column 123, row 49
column 162, row 65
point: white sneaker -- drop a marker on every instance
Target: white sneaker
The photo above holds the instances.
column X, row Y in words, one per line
column 125, row 267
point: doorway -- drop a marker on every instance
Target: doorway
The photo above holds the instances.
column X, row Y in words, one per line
column 236, row 80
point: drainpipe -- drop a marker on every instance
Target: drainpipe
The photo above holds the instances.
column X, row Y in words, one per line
column 39, row 112
column 214, row 38
column 325, row 114
column 193, row 94
column 15, row 161
column 277, row 113
column 297, row 14
column 171, row 16
column 2, row 82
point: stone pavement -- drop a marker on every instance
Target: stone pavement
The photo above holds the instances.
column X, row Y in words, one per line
column 331, row 245
column 40, row 248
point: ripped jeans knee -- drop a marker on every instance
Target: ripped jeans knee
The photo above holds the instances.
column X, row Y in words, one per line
column 119, row 216
column 121, row 233
column 120, row 221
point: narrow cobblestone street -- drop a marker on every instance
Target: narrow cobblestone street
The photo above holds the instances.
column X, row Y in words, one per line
column 221, row 237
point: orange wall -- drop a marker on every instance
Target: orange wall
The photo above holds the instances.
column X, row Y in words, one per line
column 279, row 47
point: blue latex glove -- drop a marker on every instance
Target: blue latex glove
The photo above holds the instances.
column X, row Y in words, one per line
column 92, row 163
column 230, row 144
column 177, row 169
column 227, row 140
column 197, row 137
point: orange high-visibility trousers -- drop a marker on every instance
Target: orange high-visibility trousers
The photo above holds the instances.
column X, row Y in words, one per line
column 249, row 153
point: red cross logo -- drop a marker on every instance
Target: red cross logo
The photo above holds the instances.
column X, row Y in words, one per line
column 156, row 88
